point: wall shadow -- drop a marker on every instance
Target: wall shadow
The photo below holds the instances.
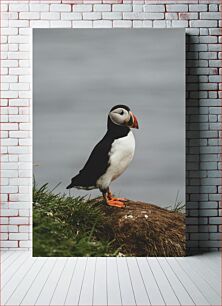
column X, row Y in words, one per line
column 193, row 171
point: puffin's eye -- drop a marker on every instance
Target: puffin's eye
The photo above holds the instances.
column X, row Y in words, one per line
column 122, row 112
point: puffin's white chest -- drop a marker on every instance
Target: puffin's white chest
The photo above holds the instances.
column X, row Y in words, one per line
column 120, row 156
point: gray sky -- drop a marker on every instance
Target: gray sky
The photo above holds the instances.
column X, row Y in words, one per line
column 79, row 74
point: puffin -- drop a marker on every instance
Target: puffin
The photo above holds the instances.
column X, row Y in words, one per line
column 110, row 157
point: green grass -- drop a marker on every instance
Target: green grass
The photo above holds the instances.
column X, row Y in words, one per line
column 68, row 226
column 177, row 206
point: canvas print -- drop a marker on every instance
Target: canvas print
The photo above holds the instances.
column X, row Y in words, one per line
column 109, row 142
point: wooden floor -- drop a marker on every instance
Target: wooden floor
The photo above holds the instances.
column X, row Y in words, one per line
column 110, row 281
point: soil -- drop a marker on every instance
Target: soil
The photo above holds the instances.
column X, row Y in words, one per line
column 143, row 229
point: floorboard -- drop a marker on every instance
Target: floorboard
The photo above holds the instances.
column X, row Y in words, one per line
column 188, row 282
column 168, row 292
column 182, row 295
column 113, row 283
column 62, row 288
column 153, row 290
column 100, row 282
column 110, row 281
column 75, row 286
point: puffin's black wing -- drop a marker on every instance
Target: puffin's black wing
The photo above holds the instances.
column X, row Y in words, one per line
column 95, row 166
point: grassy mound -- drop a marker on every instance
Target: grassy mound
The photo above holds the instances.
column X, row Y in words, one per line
column 68, row 226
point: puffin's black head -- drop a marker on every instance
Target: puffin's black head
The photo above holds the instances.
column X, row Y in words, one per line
column 122, row 116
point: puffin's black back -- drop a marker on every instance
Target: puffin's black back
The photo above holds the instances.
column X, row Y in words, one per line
column 98, row 161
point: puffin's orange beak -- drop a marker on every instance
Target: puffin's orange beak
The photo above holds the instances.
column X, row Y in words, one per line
column 133, row 123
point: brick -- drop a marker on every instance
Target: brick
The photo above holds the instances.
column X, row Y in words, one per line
column 25, row 244
column 215, row 236
column 25, row 31
column 138, row 23
column 9, row 94
column 37, row 7
column 25, row 126
column 112, row 15
column 207, row 15
column 102, row 7
column 102, row 24
column 9, row 31
column 20, row 197
column 71, row 16
column 19, row 86
column 122, row 23
column 82, row 24
column 18, row 55
column 216, row 31
column 82, row 8
column 9, row 244
column 177, row 8
column 39, row 23
column 20, row 71
column 214, row 173
column 18, row 236
column 204, row 31
column 171, row 16
column 215, row 220
column 18, row 7
column 199, row 236
column 213, row 7
column 9, row 212
column 137, row 8
column 19, row 118
column 9, row 173
column 197, row 7
column 13, row 47
column 203, row 23
column 188, row 16
column 4, row 7
column 122, row 7
column 19, row 182
column 19, row 102
column 13, row 158
column 60, row 24
column 180, row 23
column 215, row 63
column 24, row 229
column 8, row 228
column 53, row 15
column 29, row 15
column 24, row 212
column 210, row 181
column 208, row 205
column 92, row 15
column 9, row 142
column 18, row 23
column 162, row 23
column 154, row 8
column 19, row 150
column 9, row 63
column 18, row 220
column 9, row 126
column 60, row 8
column 138, row 15
column 208, row 39
column 147, row 24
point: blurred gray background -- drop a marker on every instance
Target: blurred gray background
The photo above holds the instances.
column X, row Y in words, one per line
column 79, row 75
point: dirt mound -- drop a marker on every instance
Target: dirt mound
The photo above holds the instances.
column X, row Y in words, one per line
column 142, row 229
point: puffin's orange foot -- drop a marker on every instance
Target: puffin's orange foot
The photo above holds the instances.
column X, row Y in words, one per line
column 120, row 199
column 115, row 203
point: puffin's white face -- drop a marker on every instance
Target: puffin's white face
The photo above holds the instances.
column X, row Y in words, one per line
column 121, row 116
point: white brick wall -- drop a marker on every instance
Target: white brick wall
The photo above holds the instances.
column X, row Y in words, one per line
column 201, row 20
